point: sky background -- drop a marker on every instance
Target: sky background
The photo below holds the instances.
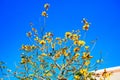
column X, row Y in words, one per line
column 64, row 15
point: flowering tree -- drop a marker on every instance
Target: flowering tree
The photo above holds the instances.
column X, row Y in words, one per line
column 57, row 58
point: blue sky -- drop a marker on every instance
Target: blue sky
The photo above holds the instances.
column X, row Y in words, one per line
column 64, row 15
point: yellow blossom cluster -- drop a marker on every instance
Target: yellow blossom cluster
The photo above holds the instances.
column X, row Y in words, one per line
column 25, row 60
column 72, row 36
column 28, row 47
column 57, row 55
column 79, row 42
column 106, row 75
column 44, row 13
column 84, row 72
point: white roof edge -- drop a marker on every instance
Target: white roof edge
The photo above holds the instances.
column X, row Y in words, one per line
column 108, row 69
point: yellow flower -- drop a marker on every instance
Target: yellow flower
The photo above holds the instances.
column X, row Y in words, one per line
column 81, row 43
column 28, row 48
column 23, row 61
column 75, row 56
column 86, row 47
column 86, row 63
column 49, row 40
column 57, row 38
column 66, row 54
column 68, row 34
column 77, row 77
column 84, row 72
column 57, row 55
column 86, row 25
column 23, row 47
column 86, row 56
column 106, row 74
column 46, row 6
column 76, row 49
column 64, row 50
column 43, row 54
column 76, row 42
column 49, row 34
column 44, row 14
column 28, row 60
column 42, row 42
column 74, row 37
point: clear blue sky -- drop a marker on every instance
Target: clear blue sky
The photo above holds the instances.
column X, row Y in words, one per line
column 64, row 15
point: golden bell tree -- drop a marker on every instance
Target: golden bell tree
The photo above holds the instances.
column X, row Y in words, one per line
column 48, row 57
